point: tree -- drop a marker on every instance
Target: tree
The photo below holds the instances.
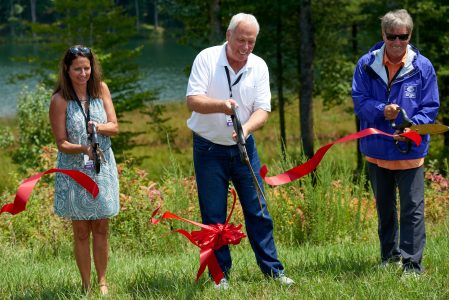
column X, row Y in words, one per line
column 306, row 77
column 280, row 72
column 15, row 11
column 429, row 17
column 33, row 14
column 107, row 29
column 155, row 15
column 215, row 33
column 137, row 8
column 109, row 39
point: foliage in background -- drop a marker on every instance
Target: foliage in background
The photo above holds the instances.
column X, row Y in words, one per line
column 166, row 133
column 33, row 128
column 432, row 43
column 343, row 30
column 108, row 30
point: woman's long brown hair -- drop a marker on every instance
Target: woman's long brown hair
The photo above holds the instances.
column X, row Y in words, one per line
column 64, row 84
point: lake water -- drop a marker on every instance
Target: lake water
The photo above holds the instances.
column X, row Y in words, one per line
column 162, row 66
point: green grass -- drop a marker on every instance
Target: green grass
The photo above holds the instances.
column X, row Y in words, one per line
column 342, row 270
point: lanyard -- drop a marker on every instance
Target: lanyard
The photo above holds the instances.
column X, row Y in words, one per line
column 229, row 80
column 86, row 116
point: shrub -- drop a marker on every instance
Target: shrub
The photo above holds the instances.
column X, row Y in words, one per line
column 34, row 127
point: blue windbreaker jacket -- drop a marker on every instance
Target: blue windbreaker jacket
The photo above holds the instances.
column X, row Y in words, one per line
column 414, row 89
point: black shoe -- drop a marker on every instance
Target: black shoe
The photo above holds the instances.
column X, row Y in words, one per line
column 412, row 269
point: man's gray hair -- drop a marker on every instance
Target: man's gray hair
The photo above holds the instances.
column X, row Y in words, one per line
column 397, row 18
column 242, row 17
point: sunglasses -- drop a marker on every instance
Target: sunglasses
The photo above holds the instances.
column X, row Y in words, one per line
column 392, row 37
column 79, row 50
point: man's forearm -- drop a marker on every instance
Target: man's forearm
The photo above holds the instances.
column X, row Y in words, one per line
column 256, row 121
column 206, row 105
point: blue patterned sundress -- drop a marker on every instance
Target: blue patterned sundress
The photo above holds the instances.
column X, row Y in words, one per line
column 72, row 201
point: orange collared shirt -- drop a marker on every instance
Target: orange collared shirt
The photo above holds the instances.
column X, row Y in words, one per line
column 393, row 68
column 404, row 164
column 395, row 164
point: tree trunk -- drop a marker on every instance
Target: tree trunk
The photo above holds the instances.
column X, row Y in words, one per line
column 136, row 5
column 280, row 71
column 215, row 34
column 155, row 15
column 306, row 75
column 12, row 24
column 33, row 15
column 357, row 121
column 445, row 116
column 33, row 11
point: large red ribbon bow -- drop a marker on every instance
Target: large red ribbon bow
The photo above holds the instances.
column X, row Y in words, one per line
column 26, row 187
column 208, row 239
column 307, row 167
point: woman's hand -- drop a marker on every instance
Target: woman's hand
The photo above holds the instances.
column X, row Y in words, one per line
column 90, row 125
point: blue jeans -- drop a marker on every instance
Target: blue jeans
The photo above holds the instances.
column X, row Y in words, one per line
column 406, row 239
column 217, row 165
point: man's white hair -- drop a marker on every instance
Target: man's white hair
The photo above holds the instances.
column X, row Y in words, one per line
column 242, row 17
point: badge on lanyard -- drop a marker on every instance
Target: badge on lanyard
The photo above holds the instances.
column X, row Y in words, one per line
column 228, row 117
column 229, row 121
column 88, row 163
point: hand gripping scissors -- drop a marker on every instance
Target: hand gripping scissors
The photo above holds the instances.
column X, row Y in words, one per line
column 96, row 150
column 419, row 128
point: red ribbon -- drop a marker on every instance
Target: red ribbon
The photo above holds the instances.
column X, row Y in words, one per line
column 26, row 187
column 307, row 167
column 208, row 239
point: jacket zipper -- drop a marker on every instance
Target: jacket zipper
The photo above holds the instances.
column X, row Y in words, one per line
column 396, row 80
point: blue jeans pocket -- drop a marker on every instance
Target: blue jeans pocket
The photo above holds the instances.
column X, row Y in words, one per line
column 201, row 145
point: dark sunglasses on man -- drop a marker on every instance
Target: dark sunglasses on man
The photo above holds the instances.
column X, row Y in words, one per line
column 392, row 37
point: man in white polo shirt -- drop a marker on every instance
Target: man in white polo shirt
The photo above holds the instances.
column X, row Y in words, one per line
column 223, row 77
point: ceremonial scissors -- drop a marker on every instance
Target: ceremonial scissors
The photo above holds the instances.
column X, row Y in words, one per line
column 241, row 143
column 419, row 128
column 96, row 150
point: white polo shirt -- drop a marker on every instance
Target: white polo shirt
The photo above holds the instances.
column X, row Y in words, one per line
column 208, row 77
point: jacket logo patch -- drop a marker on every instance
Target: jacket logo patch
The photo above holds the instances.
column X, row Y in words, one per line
column 410, row 91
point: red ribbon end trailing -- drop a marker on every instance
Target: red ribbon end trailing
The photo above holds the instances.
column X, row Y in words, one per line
column 307, row 167
column 24, row 191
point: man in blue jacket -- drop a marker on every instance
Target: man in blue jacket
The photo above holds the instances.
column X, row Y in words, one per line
column 391, row 76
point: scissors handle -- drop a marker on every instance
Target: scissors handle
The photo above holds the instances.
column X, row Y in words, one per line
column 240, row 137
column 96, row 149
column 406, row 123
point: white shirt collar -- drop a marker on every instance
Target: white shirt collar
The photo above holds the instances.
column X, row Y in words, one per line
column 223, row 60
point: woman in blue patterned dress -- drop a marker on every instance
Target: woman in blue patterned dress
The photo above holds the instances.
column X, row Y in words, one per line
column 80, row 102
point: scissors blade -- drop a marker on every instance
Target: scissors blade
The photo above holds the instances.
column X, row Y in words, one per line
column 257, row 186
column 429, row 128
